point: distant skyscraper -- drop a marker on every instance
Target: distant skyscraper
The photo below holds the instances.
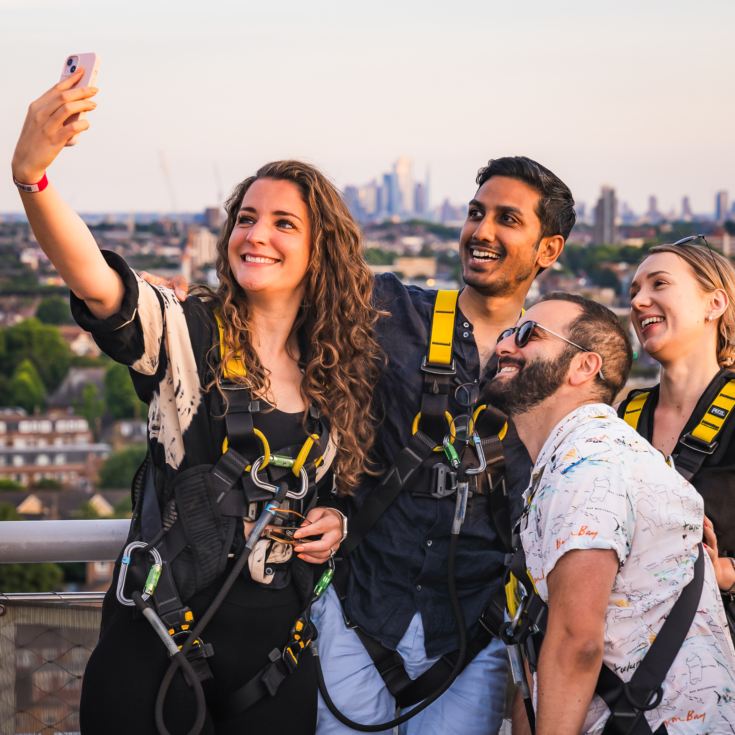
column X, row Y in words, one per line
column 391, row 194
column 352, row 200
column 368, row 196
column 721, row 206
column 653, row 215
column 419, row 199
column 686, row 210
column 402, row 169
column 606, row 212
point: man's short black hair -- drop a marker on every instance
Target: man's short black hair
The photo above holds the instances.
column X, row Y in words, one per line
column 597, row 329
column 556, row 204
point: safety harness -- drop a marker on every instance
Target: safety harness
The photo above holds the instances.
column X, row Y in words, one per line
column 628, row 701
column 459, row 450
column 693, row 447
column 199, row 527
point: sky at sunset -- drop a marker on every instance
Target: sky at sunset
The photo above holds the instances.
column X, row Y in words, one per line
column 638, row 95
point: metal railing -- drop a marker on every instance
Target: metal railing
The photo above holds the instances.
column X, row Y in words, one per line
column 46, row 637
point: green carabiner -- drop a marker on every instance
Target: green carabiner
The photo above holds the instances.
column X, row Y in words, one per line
column 451, row 453
column 324, row 581
column 280, row 460
column 151, row 582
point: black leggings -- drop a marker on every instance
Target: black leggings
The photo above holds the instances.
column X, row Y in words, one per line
column 125, row 669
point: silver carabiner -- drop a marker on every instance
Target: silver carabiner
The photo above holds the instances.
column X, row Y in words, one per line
column 482, row 466
column 125, row 563
column 274, row 488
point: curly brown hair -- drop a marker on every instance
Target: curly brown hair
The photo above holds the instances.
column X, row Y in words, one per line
column 336, row 319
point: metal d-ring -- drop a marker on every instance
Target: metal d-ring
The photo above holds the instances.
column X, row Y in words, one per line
column 271, row 488
column 125, row 563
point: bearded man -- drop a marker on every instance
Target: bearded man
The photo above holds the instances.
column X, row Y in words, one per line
column 611, row 535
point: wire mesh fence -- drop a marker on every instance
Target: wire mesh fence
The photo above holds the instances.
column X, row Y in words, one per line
column 43, row 652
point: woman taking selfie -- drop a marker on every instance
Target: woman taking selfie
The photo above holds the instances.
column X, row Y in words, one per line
column 258, row 395
column 683, row 311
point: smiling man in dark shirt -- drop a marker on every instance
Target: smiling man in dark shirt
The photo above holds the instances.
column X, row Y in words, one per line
column 397, row 593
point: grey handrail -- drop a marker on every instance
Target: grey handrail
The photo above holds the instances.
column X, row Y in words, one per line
column 61, row 541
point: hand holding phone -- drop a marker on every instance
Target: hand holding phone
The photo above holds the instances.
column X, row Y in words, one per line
column 47, row 127
column 90, row 63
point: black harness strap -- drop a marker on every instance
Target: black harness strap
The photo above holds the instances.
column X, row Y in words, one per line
column 628, row 701
column 409, row 459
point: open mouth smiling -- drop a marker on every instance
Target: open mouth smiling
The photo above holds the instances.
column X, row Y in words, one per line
column 648, row 321
column 259, row 259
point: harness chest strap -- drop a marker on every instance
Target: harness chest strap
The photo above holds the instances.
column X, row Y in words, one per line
column 695, row 446
column 439, row 371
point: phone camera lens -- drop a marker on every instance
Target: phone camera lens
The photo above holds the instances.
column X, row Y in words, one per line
column 73, row 69
column 69, row 62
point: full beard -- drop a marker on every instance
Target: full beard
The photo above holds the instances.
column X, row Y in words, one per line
column 535, row 382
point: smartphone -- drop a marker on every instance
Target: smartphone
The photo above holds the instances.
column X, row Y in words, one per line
column 90, row 62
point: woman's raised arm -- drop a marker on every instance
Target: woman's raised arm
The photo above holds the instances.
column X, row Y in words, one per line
column 60, row 231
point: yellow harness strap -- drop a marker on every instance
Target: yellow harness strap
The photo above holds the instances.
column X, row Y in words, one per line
column 710, row 425
column 442, row 329
column 633, row 410
column 235, row 366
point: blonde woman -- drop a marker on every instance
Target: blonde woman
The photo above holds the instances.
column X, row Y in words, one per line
column 683, row 311
column 263, row 369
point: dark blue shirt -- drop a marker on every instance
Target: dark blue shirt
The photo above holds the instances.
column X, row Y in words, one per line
column 401, row 565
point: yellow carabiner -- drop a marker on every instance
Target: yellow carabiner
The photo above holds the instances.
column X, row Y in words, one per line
column 264, row 446
column 450, row 423
column 300, row 460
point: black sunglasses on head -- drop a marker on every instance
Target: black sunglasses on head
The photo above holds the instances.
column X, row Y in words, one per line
column 524, row 332
column 694, row 239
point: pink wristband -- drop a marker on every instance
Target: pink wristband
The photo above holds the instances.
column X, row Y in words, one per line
column 32, row 188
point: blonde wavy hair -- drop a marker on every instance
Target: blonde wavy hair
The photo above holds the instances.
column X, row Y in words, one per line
column 336, row 321
column 702, row 262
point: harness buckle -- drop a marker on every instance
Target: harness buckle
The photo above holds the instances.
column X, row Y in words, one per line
column 444, row 481
column 697, row 445
column 426, row 367
column 302, row 634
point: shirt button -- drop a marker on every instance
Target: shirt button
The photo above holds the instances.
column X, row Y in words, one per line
column 465, row 334
column 429, row 542
column 466, row 325
column 418, row 587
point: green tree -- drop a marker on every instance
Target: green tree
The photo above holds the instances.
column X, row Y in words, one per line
column 378, row 256
column 91, row 406
column 7, row 484
column 43, row 345
column 30, row 577
column 120, row 397
column 124, row 509
column 54, row 310
column 86, row 511
column 26, row 388
column 119, row 467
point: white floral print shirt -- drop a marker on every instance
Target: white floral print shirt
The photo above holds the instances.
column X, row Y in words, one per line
column 597, row 484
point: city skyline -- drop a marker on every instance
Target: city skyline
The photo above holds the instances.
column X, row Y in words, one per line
column 192, row 102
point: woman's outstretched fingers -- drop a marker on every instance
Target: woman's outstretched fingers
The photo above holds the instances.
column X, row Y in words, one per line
column 45, row 131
